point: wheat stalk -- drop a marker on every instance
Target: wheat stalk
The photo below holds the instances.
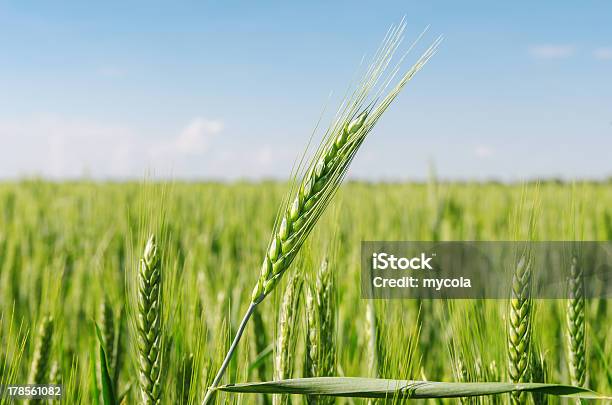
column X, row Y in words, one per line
column 149, row 324
column 321, row 177
column 321, row 328
column 576, row 327
column 519, row 327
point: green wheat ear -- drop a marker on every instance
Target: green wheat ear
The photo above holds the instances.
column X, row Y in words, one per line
column 321, row 321
column 320, row 330
column 149, row 324
column 576, row 326
column 309, row 198
column 308, row 204
column 519, row 327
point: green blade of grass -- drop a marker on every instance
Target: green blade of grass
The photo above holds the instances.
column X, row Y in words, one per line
column 382, row 388
column 261, row 357
column 95, row 392
column 108, row 396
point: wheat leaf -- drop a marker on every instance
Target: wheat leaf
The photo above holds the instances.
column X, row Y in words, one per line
column 382, row 388
column 108, row 396
column 95, row 391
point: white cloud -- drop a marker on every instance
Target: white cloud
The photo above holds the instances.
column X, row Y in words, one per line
column 195, row 138
column 62, row 147
column 55, row 146
column 551, row 51
column 483, row 152
column 264, row 155
column 249, row 160
column 603, row 53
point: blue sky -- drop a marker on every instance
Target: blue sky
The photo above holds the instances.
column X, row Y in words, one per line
column 233, row 89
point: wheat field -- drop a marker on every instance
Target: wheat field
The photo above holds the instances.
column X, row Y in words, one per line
column 70, row 260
